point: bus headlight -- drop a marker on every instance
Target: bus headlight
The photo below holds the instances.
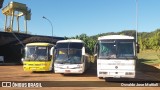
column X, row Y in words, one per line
column 79, row 66
column 103, row 72
column 129, row 73
column 57, row 66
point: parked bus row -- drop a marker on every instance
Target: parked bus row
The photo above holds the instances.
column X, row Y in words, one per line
column 67, row 56
column 115, row 55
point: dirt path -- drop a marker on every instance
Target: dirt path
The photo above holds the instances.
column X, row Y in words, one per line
column 85, row 81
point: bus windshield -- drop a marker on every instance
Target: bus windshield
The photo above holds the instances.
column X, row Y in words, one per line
column 125, row 50
column 36, row 53
column 116, row 50
column 68, row 56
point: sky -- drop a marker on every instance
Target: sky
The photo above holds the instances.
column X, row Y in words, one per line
column 74, row 17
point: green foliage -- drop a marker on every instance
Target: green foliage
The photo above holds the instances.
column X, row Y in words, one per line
column 149, row 57
column 150, row 40
column 146, row 40
column 89, row 42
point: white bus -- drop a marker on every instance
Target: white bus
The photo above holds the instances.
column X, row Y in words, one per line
column 116, row 56
column 70, row 57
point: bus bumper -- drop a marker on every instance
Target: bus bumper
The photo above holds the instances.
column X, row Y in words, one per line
column 33, row 68
column 36, row 66
column 104, row 74
column 73, row 71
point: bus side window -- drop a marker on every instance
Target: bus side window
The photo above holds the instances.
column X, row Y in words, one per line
column 95, row 49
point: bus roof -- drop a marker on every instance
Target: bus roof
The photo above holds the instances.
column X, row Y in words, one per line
column 39, row 44
column 115, row 37
column 70, row 40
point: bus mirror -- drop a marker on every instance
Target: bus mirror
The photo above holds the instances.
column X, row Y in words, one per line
column 95, row 49
column 83, row 51
column 95, row 54
column 137, row 47
column 22, row 59
column 51, row 51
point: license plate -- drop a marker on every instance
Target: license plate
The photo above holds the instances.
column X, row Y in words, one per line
column 67, row 71
column 116, row 76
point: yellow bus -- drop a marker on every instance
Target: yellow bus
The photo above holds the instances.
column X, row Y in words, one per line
column 38, row 57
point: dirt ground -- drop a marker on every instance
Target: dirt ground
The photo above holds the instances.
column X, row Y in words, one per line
column 85, row 81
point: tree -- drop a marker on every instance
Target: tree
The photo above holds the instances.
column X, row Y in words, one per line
column 146, row 40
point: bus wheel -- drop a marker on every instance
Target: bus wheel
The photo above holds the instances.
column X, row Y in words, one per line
column 62, row 74
column 109, row 79
column 100, row 77
column 52, row 70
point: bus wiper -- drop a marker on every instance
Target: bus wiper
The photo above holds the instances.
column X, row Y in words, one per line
column 65, row 61
column 59, row 61
column 126, row 58
column 108, row 58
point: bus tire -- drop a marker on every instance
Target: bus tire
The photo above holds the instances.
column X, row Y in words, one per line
column 52, row 70
column 100, row 77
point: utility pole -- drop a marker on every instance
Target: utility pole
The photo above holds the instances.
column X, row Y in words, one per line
column 50, row 23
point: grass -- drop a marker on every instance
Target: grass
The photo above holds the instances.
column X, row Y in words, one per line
column 150, row 57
